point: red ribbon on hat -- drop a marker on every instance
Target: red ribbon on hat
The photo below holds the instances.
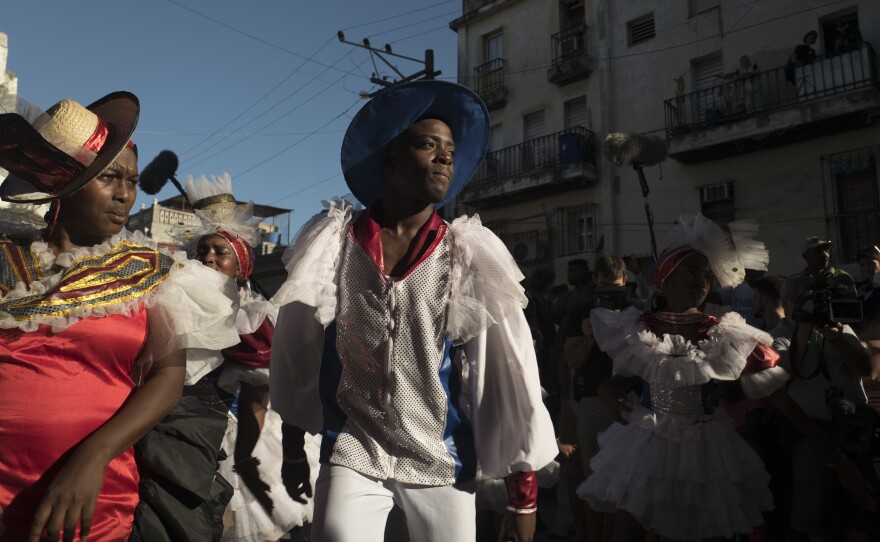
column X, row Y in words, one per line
column 243, row 252
column 94, row 144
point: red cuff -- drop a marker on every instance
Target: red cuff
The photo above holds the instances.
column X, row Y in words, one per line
column 762, row 357
column 522, row 492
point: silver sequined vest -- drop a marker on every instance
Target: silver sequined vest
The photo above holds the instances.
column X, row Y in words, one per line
column 390, row 342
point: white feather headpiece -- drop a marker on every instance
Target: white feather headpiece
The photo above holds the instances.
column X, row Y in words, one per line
column 730, row 249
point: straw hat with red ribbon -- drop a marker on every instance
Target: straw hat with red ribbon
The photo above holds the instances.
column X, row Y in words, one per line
column 60, row 151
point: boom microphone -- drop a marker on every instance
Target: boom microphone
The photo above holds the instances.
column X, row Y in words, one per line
column 634, row 149
column 158, row 172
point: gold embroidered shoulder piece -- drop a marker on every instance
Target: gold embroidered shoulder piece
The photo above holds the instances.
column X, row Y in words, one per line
column 125, row 273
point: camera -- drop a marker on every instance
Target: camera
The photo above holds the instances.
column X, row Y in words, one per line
column 613, row 298
column 855, row 428
column 830, row 304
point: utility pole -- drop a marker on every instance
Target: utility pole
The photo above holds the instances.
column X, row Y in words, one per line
column 427, row 73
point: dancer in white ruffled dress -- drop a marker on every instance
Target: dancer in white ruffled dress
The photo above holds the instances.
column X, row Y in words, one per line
column 260, row 508
column 674, row 462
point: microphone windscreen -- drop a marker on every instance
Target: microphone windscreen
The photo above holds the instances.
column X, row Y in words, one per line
column 627, row 149
column 157, row 172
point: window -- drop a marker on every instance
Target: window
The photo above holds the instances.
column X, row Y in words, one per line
column 576, row 113
column 577, row 229
column 841, row 32
column 716, row 202
column 641, row 29
column 496, row 137
column 855, row 185
column 494, row 46
column 571, row 14
column 533, row 125
column 531, row 156
column 706, row 74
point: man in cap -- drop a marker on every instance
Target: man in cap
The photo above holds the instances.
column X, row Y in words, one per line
column 817, row 255
column 402, row 338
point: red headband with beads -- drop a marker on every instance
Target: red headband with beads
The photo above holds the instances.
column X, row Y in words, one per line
column 243, row 252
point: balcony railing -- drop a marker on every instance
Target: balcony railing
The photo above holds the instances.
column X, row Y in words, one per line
column 753, row 94
column 569, row 43
column 489, row 77
column 574, row 145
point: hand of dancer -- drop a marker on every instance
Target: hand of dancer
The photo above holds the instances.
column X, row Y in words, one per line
column 249, row 473
column 854, row 483
column 70, row 500
column 613, row 393
column 295, row 473
column 517, row 527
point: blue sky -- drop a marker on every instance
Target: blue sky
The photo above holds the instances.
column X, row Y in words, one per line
column 262, row 90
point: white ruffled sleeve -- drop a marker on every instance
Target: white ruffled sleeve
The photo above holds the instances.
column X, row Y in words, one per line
column 512, row 428
column 312, row 261
column 253, row 309
column 485, row 281
column 193, row 309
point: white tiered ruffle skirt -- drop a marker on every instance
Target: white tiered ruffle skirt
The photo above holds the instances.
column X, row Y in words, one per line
column 251, row 523
column 686, row 478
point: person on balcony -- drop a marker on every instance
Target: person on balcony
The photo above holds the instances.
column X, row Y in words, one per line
column 802, row 55
column 848, row 38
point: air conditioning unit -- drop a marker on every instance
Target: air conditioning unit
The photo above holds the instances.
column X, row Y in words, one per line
column 716, row 192
column 526, row 247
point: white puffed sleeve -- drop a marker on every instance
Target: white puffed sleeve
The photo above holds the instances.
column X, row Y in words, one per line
column 484, row 282
column 312, row 261
column 193, row 309
column 512, row 428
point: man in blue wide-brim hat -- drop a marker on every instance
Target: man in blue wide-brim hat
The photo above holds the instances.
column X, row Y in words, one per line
column 402, row 339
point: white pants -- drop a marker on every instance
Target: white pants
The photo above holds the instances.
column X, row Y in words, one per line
column 352, row 507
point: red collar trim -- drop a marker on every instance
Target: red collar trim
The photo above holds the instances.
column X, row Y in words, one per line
column 367, row 233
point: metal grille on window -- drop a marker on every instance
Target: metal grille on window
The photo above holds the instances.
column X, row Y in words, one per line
column 854, row 176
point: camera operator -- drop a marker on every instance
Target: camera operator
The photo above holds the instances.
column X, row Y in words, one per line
column 816, row 253
column 826, row 360
column 590, row 367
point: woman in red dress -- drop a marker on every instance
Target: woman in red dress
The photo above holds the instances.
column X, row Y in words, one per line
column 93, row 325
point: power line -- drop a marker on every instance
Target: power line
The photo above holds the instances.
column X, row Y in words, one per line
column 260, row 99
column 297, row 142
column 249, row 35
column 382, row 20
column 275, row 120
column 165, row 133
column 303, row 189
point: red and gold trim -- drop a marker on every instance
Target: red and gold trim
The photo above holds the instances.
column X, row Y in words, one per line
column 125, row 273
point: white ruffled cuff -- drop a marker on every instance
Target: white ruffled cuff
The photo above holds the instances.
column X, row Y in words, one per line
column 763, row 383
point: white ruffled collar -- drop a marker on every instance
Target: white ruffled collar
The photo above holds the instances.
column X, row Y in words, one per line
column 637, row 351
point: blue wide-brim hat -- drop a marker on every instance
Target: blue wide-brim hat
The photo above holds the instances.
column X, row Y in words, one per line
column 392, row 111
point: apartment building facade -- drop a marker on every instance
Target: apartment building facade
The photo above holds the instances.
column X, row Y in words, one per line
column 750, row 138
